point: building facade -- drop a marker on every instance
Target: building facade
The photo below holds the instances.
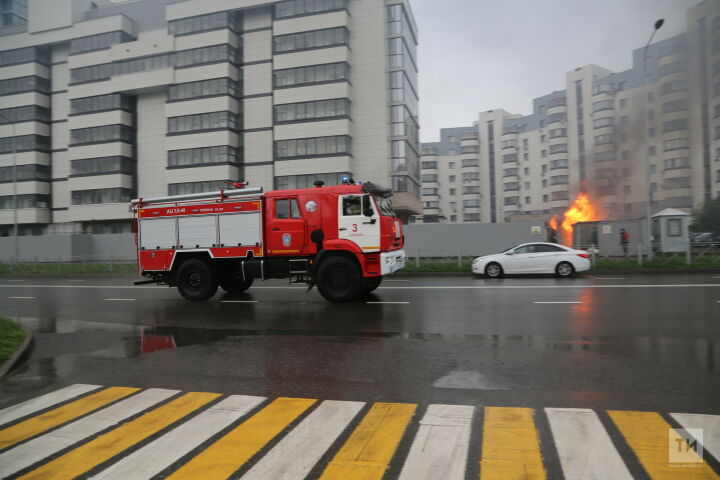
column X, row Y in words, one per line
column 608, row 134
column 102, row 102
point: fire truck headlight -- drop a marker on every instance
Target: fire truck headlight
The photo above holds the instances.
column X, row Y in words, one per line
column 389, row 260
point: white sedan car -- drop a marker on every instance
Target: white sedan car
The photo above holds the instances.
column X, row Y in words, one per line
column 538, row 257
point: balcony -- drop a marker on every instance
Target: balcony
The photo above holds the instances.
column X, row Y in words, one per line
column 469, row 136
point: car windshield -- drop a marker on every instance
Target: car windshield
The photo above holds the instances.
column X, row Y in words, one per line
column 385, row 206
column 511, row 248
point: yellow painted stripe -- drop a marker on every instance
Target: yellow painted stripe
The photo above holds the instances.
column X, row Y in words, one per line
column 510, row 445
column 649, row 436
column 80, row 460
column 368, row 451
column 370, row 248
column 229, row 453
column 284, row 251
column 51, row 419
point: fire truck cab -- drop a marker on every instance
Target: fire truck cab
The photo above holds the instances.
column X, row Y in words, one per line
column 342, row 238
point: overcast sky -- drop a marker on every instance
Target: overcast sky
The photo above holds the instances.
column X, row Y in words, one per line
column 476, row 55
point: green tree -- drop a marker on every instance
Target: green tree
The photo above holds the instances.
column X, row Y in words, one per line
column 707, row 217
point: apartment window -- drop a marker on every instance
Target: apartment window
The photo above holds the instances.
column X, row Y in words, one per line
column 471, row 177
column 28, row 113
column 430, row 191
column 105, row 133
column 101, row 166
column 526, row 171
column 557, row 133
column 100, row 103
column 31, row 83
column 556, row 117
column 525, row 143
column 196, row 187
column 675, row 163
column 544, row 168
column 26, row 173
column 511, row 186
column 676, row 143
column 608, row 156
column 511, row 143
column 545, row 198
column 560, row 148
column 602, row 88
column 603, row 122
column 101, row 195
column 330, row 72
column 543, row 138
column 204, row 88
column 526, row 185
column 451, row 165
column 471, row 217
column 653, row 169
column 307, row 181
column 470, row 190
column 559, row 180
column 202, row 23
column 97, row 42
column 674, row 86
column 25, row 143
column 430, row 165
column 295, row 8
column 453, row 218
column 603, row 139
column 473, row 203
column 471, row 162
column 510, row 172
column 623, row 103
column 508, row 158
column 451, row 151
column 678, row 124
column 24, row 55
column 511, row 200
column 626, row 155
column 527, row 200
column 651, row 150
column 602, row 105
column 674, row 183
column 313, row 147
column 451, row 179
column 545, row 183
column 526, row 157
column 222, row 154
column 542, row 123
column 429, row 177
column 562, row 163
column 675, row 106
column 453, row 191
column 32, row 200
column 651, row 132
column 543, row 153
column 319, row 109
column 431, row 204
column 203, row 121
column 554, row 196
column 328, row 37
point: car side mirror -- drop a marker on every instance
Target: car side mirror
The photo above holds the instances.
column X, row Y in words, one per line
column 510, row 253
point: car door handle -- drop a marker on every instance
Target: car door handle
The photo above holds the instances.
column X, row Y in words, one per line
column 275, row 229
column 371, row 222
column 342, row 228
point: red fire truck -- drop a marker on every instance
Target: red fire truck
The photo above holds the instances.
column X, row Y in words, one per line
column 341, row 238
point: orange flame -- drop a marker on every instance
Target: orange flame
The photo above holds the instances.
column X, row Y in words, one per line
column 581, row 210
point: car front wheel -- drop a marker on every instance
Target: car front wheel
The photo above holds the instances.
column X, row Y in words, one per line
column 493, row 270
column 564, row 270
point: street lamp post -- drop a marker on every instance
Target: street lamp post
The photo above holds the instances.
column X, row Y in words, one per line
column 15, row 196
column 649, row 200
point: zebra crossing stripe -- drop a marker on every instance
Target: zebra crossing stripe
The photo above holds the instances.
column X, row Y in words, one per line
column 51, row 419
column 24, row 455
column 649, row 436
column 80, row 460
column 511, row 447
column 10, row 414
column 371, row 446
column 163, row 452
column 296, row 454
column 710, row 425
column 584, row 447
column 221, row 459
column 440, row 447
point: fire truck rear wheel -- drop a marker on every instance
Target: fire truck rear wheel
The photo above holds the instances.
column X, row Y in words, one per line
column 339, row 279
column 234, row 285
column 196, row 280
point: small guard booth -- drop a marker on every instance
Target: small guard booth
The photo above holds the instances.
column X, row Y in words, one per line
column 670, row 230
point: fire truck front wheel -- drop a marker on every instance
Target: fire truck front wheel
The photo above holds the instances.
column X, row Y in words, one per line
column 196, row 280
column 339, row 279
column 371, row 283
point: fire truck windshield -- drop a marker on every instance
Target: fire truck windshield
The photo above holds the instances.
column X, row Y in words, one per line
column 385, row 206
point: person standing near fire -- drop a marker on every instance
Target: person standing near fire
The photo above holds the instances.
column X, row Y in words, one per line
column 624, row 240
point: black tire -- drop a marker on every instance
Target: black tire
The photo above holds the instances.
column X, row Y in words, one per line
column 231, row 284
column 339, row 279
column 371, row 283
column 564, row 270
column 196, row 280
column 493, row 270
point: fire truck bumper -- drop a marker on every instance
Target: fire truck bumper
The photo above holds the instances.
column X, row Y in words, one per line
column 391, row 262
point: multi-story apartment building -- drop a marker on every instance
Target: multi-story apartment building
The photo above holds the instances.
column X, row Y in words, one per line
column 101, row 102
column 13, row 12
column 606, row 134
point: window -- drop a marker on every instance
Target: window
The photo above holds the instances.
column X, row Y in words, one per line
column 471, row 177
column 559, row 180
column 451, row 151
column 203, row 121
column 560, row 148
column 98, row 42
column 543, row 138
column 203, row 156
column 471, row 217
column 329, row 72
column 196, row 187
column 604, row 122
column 625, row 155
column 451, row 165
column 430, row 177
column 7, row 202
column 623, row 102
column 556, row 117
column 674, row 227
column 430, row 191
column 674, row 106
column 295, row 8
column 101, row 195
column 525, row 143
column 545, row 198
column 676, row 144
column 557, row 133
column 202, row 23
column 328, row 37
column 473, row 203
column 526, row 185
column 626, row 189
column 510, row 172
column 543, row 153
column 31, row 83
column 602, row 105
column 451, row 179
column 511, row 200
column 307, row 181
column 105, row 133
column 526, row 157
column 28, row 113
column 313, row 147
column 673, row 183
column 512, row 157
column 471, row 162
column 320, row 109
column 204, row 88
column 30, row 172
column 602, row 88
column 432, row 204
column 24, row 55
column 453, row 191
column 651, row 150
column 554, row 196
column 603, row 139
column 430, row 165
column 545, row 183
column 674, row 86
column 288, row 207
column 527, row 200
column 101, row 166
column 510, row 143
column 548, row 248
column 470, row 149
column 470, row 190
column 678, row 124
column 511, row 186
column 25, row 143
column 100, row 103
column 651, row 132
column 562, row 163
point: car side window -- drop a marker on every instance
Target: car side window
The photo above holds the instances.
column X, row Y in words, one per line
column 548, row 248
column 351, row 206
column 525, row 249
column 287, row 208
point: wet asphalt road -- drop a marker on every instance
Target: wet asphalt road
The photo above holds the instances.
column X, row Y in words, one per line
column 614, row 341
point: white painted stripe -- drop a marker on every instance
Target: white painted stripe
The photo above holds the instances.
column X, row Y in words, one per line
column 610, row 278
column 560, row 302
column 440, row 447
column 584, row 447
column 392, row 280
column 26, row 280
column 23, row 298
column 296, row 454
column 119, row 299
column 42, row 402
column 710, row 425
column 77, row 280
column 400, row 303
column 26, row 454
column 163, row 452
column 239, row 301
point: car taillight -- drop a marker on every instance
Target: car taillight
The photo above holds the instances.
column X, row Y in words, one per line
column 583, row 255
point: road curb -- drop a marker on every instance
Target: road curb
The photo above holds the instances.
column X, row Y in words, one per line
column 14, row 359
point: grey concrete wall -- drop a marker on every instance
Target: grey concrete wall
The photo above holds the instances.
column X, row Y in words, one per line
column 46, row 248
